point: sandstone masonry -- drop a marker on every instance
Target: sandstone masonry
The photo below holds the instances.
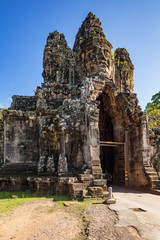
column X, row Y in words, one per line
column 53, row 138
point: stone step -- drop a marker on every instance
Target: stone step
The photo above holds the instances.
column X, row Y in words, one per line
column 95, row 191
column 155, row 184
column 156, row 190
column 100, row 182
column 86, row 179
column 146, row 165
column 88, row 171
column 153, row 177
column 151, row 173
column 77, row 186
column 76, row 190
column 156, row 181
column 87, row 197
column 150, row 169
column 85, row 176
column 97, row 172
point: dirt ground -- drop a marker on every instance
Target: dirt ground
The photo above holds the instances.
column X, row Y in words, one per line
column 45, row 219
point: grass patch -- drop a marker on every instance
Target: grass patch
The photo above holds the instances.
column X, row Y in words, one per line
column 27, row 194
column 58, row 198
column 7, row 204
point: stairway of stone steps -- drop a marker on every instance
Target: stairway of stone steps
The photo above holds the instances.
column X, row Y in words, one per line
column 153, row 177
column 86, row 187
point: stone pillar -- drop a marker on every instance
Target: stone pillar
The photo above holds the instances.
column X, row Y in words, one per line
column 43, row 152
column 94, row 142
column 1, row 141
column 145, row 140
column 62, row 161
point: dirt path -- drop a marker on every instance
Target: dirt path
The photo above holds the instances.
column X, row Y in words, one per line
column 36, row 221
column 46, row 220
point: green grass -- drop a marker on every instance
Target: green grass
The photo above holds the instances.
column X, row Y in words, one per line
column 61, row 198
column 7, row 204
column 6, row 195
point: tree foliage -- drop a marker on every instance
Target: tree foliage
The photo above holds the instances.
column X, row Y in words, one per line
column 153, row 110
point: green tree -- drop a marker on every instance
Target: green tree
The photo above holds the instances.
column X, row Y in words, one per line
column 153, row 110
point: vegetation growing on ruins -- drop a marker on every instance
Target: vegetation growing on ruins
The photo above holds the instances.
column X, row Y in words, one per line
column 153, row 110
column 1, row 113
column 114, row 54
column 1, row 116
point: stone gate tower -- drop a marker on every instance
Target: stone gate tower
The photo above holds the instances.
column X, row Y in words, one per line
column 53, row 138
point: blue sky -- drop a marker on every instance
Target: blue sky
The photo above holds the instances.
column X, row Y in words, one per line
column 25, row 25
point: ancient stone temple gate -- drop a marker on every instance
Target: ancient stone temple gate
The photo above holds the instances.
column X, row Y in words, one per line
column 51, row 142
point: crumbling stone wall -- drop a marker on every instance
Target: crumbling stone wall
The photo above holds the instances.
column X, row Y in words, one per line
column 23, row 103
column 21, row 136
column 1, row 140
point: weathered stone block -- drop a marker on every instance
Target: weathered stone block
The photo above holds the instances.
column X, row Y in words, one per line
column 95, row 162
column 100, row 182
column 94, row 153
column 111, row 201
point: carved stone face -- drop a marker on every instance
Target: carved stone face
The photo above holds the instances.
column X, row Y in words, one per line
column 97, row 59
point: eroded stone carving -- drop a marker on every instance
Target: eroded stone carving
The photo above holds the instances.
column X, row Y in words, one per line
column 94, row 51
column 62, row 164
column 41, row 165
column 50, row 165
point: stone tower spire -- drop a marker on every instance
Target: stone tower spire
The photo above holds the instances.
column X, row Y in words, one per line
column 58, row 60
column 90, row 28
column 124, row 71
column 94, row 51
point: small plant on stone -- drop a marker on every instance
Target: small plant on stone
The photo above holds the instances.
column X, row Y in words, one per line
column 114, row 55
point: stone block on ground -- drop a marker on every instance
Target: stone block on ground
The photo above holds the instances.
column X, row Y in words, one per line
column 110, row 201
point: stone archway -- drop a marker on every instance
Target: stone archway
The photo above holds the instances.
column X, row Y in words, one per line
column 106, row 134
column 111, row 129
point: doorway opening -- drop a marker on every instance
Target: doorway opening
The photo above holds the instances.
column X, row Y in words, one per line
column 112, row 143
column 106, row 134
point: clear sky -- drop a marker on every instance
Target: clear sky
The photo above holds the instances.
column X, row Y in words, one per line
column 25, row 25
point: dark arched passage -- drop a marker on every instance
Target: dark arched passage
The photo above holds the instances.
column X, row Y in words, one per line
column 111, row 130
column 106, row 134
